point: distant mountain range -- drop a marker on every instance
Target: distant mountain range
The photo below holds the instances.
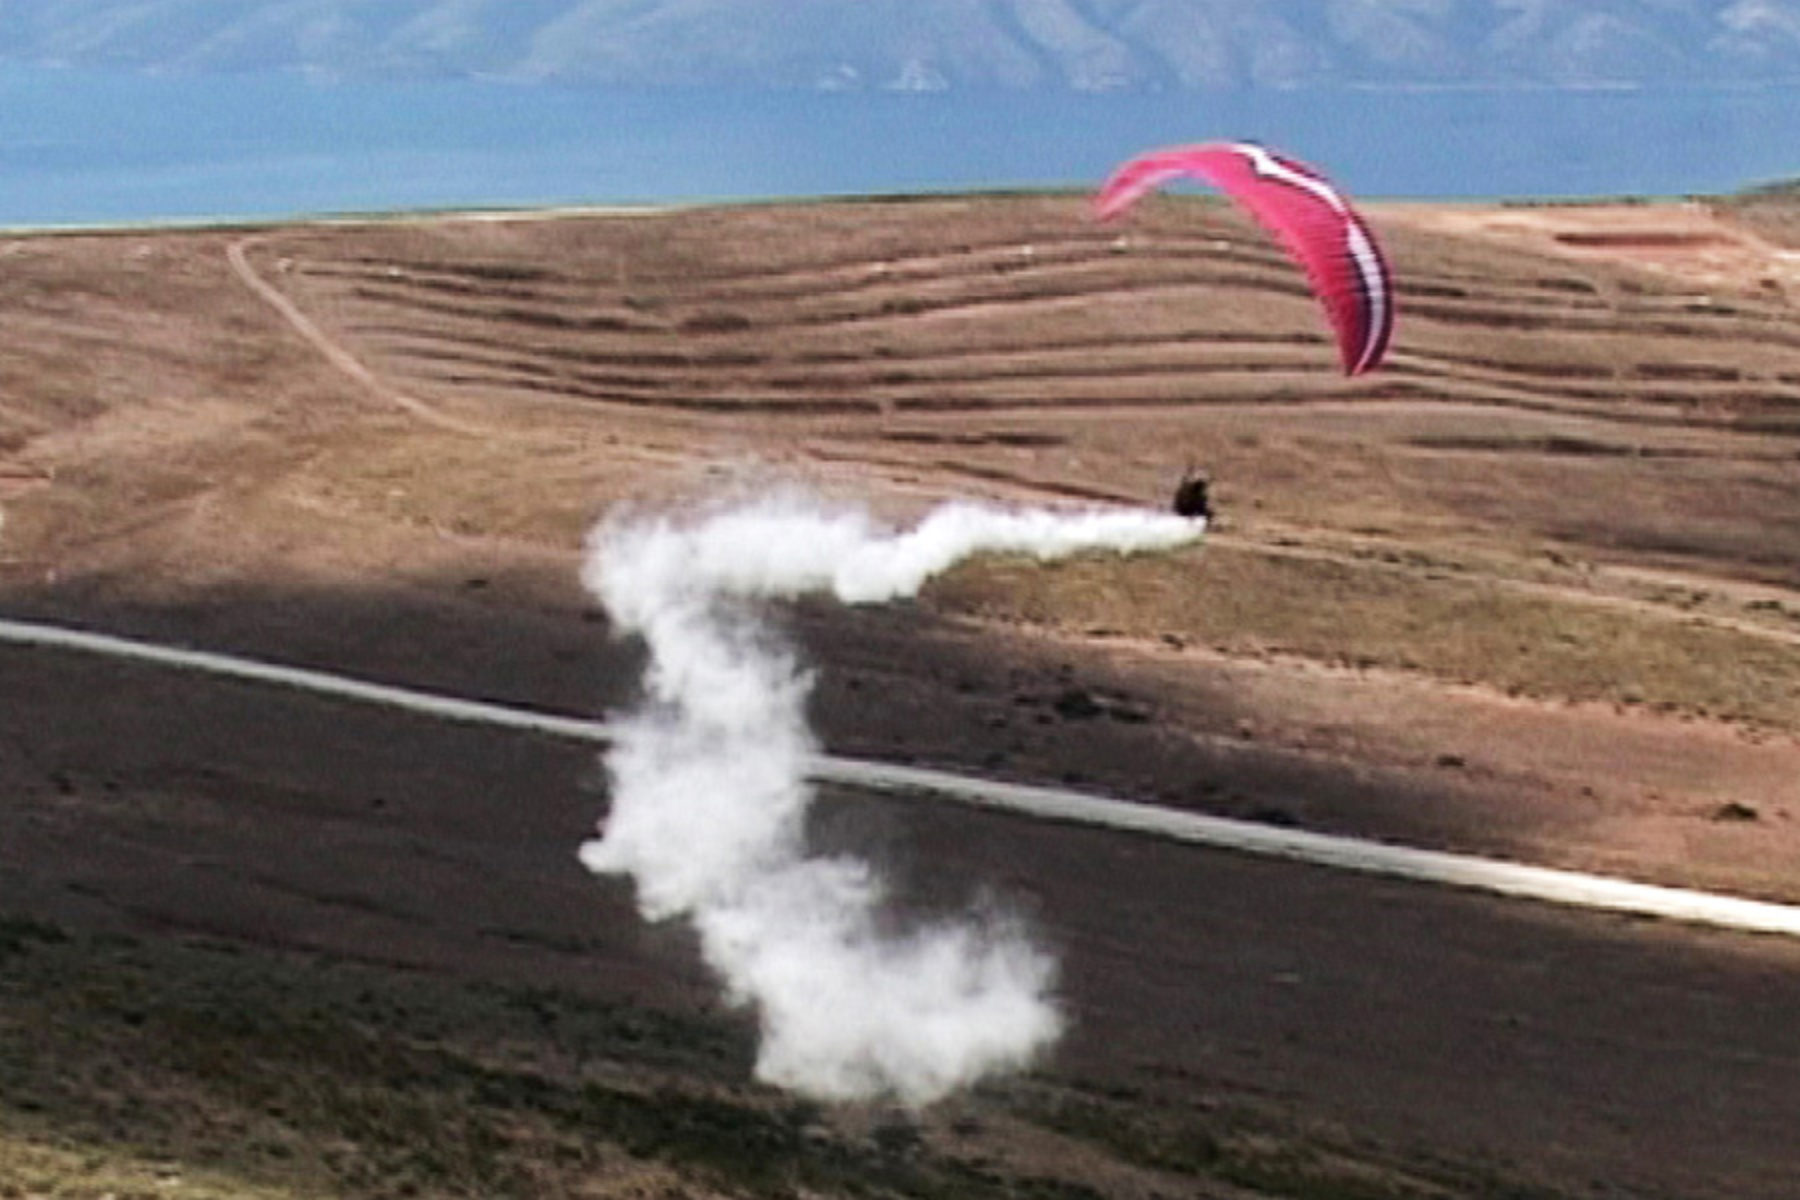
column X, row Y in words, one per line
column 1082, row 45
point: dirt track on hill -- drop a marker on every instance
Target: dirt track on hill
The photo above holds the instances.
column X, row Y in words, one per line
column 377, row 448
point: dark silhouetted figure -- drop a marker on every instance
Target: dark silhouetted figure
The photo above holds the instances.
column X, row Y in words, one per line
column 1191, row 499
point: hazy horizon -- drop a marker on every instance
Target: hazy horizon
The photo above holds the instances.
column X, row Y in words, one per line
column 82, row 146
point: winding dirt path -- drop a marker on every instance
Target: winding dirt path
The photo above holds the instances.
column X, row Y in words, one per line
column 335, row 354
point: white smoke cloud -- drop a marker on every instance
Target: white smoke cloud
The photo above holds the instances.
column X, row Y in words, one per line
column 710, row 792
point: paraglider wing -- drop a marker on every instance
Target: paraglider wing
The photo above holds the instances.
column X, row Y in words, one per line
column 1313, row 221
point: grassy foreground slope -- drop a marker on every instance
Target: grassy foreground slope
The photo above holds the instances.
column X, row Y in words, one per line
column 140, row 1068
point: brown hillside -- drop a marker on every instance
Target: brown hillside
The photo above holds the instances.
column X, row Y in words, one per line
column 1566, row 509
column 1533, row 589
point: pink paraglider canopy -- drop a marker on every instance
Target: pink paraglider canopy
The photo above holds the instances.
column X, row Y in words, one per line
column 1313, row 221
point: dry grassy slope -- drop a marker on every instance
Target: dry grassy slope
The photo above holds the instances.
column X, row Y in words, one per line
column 1574, row 481
column 207, row 1071
column 1555, row 412
column 986, row 336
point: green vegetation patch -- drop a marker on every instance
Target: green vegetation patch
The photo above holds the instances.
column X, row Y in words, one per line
column 1256, row 1154
column 159, row 1068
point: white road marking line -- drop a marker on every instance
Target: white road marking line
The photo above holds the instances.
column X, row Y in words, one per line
column 1568, row 888
column 1548, row 884
column 449, row 708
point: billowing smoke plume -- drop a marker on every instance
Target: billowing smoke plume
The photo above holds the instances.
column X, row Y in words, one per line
column 710, row 792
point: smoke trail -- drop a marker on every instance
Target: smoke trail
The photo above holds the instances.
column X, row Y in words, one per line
column 709, row 793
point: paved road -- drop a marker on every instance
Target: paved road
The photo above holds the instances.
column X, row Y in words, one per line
column 1577, row 1047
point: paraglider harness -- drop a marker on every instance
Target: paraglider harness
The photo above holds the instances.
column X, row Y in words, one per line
column 1191, row 499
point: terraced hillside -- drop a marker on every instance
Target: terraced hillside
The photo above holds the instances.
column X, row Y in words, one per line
column 1533, row 590
column 952, row 322
column 1000, row 305
column 1540, row 388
